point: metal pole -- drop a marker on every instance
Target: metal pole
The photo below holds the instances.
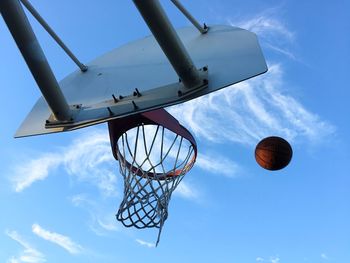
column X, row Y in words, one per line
column 202, row 29
column 23, row 34
column 169, row 41
column 49, row 30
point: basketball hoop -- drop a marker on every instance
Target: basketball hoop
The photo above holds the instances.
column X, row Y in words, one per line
column 154, row 153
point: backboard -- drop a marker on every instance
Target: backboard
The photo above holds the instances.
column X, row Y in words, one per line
column 138, row 77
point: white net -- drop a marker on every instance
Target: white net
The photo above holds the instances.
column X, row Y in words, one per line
column 153, row 161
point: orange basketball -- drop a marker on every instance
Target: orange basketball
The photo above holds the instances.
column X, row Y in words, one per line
column 273, row 153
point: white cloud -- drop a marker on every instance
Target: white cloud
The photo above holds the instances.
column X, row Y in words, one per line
column 218, row 164
column 265, row 25
column 324, row 256
column 87, row 159
column 186, row 191
column 101, row 219
column 251, row 110
column 272, row 32
column 29, row 254
column 90, row 159
column 144, row 243
column 34, row 170
column 281, row 50
column 274, row 259
column 58, row 239
column 108, row 224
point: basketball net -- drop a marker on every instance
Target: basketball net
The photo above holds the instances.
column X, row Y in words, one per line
column 154, row 153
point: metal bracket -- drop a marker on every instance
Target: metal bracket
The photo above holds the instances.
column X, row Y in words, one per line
column 53, row 122
column 203, row 75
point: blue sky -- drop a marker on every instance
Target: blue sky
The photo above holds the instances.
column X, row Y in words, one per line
column 59, row 193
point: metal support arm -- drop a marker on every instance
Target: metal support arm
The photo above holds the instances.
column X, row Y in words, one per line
column 169, row 41
column 202, row 29
column 49, row 30
column 23, row 34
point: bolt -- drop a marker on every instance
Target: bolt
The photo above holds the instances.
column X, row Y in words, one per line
column 137, row 93
column 114, row 98
column 110, row 111
column 84, row 68
column 135, row 106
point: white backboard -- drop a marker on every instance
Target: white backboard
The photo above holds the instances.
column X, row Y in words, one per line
column 231, row 55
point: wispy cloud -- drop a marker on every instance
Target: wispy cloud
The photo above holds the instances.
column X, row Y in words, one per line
column 101, row 220
column 248, row 111
column 34, row 170
column 87, row 159
column 210, row 163
column 29, row 253
column 58, row 239
column 272, row 259
column 218, row 164
column 272, row 32
column 90, row 159
column 275, row 259
column 283, row 51
column 186, row 191
column 266, row 25
column 324, row 256
column 144, row 243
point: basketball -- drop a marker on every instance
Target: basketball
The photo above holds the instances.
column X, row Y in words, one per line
column 273, row 153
